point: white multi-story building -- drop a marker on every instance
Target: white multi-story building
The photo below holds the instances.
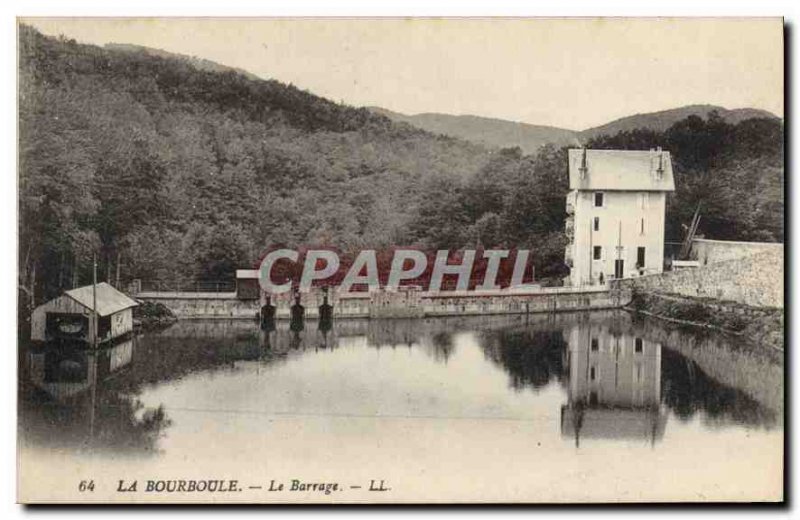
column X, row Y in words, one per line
column 615, row 213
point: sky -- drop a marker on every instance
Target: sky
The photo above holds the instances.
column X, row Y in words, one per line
column 571, row 73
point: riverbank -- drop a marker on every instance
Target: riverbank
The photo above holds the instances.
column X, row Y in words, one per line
column 760, row 327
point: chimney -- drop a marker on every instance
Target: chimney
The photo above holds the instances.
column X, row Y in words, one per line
column 660, row 169
column 583, row 168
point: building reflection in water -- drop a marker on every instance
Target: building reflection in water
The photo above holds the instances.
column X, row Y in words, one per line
column 614, row 385
column 325, row 334
column 64, row 373
column 275, row 340
column 68, row 401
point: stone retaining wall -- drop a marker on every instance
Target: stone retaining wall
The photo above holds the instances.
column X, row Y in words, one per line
column 712, row 251
column 755, row 280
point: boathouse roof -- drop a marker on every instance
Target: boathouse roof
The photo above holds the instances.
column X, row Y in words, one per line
column 621, row 170
column 109, row 300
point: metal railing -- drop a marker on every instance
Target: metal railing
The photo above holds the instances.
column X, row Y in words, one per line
column 181, row 286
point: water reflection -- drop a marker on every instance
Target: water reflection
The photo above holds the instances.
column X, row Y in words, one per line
column 532, row 357
column 66, row 372
column 604, row 376
column 614, row 385
column 687, row 389
column 65, row 401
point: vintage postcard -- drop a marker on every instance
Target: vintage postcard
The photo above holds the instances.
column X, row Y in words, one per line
column 400, row 260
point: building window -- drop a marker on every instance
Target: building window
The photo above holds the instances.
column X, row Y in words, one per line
column 597, row 223
column 640, row 257
column 641, row 226
column 592, row 374
column 638, row 346
column 598, row 200
column 595, row 345
column 597, row 252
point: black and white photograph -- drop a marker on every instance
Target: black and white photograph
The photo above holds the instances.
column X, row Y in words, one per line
column 400, row 260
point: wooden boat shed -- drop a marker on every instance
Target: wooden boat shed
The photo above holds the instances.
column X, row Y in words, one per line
column 70, row 316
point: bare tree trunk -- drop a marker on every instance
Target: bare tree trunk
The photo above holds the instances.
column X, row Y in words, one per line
column 62, row 261
column 108, row 269
column 74, row 271
column 24, row 280
column 33, row 286
column 119, row 256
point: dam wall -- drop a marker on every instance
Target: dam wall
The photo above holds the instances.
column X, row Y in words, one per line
column 400, row 304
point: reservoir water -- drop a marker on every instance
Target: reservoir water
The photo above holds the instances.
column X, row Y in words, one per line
column 540, row 408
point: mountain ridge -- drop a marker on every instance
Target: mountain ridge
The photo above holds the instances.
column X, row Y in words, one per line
column 494, row 132
column 502, row 133
column 661, row 120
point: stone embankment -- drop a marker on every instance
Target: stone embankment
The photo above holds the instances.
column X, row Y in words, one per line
column 737, row 289
column 758, row 327
column 755, row 280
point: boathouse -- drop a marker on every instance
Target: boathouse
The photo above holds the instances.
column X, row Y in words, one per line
column 70, row 316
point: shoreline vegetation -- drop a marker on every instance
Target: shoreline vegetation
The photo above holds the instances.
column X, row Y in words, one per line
column 152, row 316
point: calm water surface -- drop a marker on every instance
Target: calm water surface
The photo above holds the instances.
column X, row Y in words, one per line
column 591, row 406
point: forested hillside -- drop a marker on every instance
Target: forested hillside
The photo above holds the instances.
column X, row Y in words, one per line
column 167, row 171
column 661, row 121
column 734, row 172
column 170, row 171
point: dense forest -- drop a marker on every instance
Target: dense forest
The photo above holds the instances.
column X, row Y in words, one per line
column 733, row 172
column 167, row 171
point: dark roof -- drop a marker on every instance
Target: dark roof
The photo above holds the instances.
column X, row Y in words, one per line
column 628, row 170
column 109, row 300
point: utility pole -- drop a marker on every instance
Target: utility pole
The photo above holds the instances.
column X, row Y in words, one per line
column 93, row 366
column 619, row 251
column 94, row 300
column 591, row 250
